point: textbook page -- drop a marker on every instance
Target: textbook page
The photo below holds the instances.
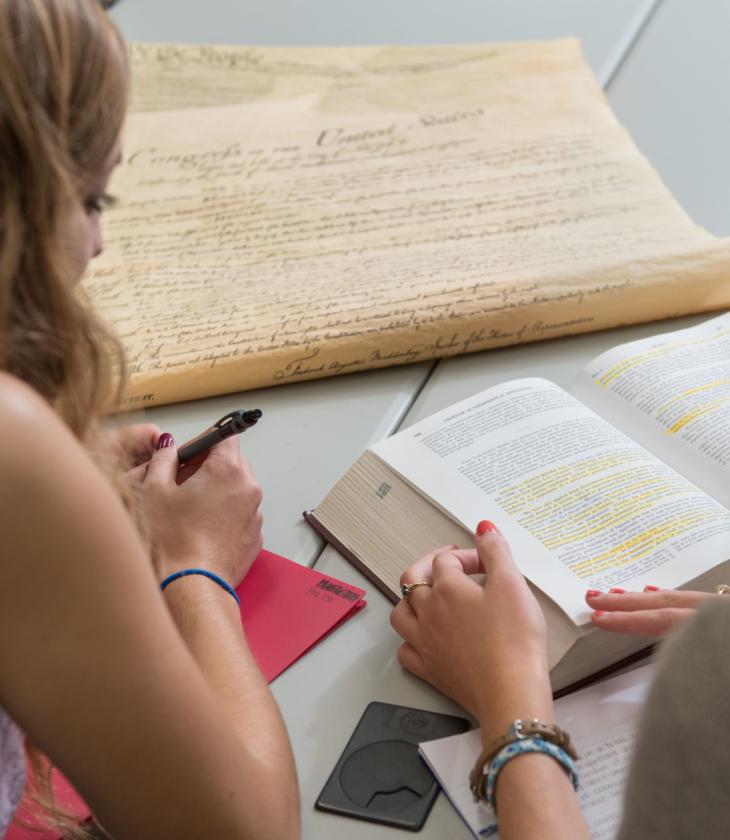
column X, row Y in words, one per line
column 602, row 722
column 671, row 393
column 582, row 505
column 285, row 239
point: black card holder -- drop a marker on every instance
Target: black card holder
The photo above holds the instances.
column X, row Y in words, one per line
column 380, row 775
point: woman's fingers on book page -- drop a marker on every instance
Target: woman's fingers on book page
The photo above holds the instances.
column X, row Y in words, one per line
column 618, row 600
column 446, row 563
column 654, row 612
column 463, row 637
column 422, row 569
column 656, row 624
column 495, row 555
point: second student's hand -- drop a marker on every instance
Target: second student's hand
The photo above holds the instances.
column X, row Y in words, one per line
column 210, row 521
column 654, row 613
column 483, row 645
column 486, row 647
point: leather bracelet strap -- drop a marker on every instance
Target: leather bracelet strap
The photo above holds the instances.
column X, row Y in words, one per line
column 518, row 730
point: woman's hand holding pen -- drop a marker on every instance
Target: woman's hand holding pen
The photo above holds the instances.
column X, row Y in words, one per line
column 210, row 521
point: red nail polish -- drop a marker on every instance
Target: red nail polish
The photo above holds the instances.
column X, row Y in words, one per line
column 592, row 593
column 650, row 588
column 617, row 591
column 486, row 527
column 598, row 613
column 165, row 440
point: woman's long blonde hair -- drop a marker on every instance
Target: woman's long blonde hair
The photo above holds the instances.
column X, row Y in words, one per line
column 63, row 96
column 63, row 93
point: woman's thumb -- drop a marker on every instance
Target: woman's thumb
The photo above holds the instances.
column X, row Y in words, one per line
column 494, row 554
column 163, row 464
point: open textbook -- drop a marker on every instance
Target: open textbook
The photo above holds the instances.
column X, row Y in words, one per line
column 622, row 482
column 602, row 721
column 367, row 207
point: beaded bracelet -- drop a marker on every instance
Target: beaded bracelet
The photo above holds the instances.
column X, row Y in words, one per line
column 205, row 573
column 520, row 747
column 518, row 730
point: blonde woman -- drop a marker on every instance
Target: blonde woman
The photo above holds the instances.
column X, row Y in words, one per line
column 149, row 702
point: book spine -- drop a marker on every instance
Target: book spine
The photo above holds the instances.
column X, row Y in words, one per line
column 310, row 516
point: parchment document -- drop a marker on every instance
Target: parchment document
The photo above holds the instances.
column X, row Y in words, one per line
column 169, row 77
column 485, row 201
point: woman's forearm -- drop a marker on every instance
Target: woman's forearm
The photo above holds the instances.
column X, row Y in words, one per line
column 209, row 621
column 535, row 798
column 536, row 801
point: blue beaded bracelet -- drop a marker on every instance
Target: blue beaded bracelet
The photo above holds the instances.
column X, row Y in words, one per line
column 520, row 747
column 219, row 580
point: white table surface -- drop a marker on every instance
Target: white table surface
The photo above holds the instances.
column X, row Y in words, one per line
column 673, row 93
column 309, row 434
column 665, row 67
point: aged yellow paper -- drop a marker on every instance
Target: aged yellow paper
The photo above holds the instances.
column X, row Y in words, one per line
column 176, row 76
column 486, row 201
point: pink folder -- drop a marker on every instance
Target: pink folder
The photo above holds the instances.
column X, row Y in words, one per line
column 287, row 608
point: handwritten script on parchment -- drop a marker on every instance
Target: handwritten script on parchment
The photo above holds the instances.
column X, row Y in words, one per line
column 169, row 77
column 489, row 201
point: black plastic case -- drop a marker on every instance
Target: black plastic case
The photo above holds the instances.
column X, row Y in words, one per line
column 380, row 775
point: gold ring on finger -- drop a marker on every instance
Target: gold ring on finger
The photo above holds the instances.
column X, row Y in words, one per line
column 407, row 588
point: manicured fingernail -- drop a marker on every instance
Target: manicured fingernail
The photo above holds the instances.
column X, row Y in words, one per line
column 650, row 588
column 617, row 591
column 486, row 527
column 598, row 613
column 165, row 440
column 592, row 593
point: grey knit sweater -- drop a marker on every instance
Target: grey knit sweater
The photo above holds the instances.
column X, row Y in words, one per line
column 679, row 781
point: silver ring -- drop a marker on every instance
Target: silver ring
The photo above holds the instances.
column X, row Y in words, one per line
column 722, row 589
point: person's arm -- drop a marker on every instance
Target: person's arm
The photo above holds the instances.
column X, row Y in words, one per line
column 207, row 617
column 209, row 622
column 485, row 646
column 94, row 669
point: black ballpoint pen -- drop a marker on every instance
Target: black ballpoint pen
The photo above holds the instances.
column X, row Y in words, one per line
column 232, row 424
